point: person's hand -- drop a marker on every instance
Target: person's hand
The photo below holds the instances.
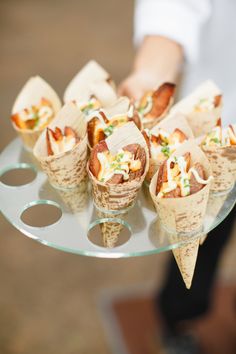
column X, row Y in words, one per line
column 158, row 60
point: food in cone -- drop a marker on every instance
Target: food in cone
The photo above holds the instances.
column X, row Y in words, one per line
column 202, row 108
column 180, row 189
column 154, row 105
column 87, row 107
column 62, row 148
column 164, row 139
column 220, row 148
column 34, row 108
column 92, row 81
column 104, row 122
column 117, row 168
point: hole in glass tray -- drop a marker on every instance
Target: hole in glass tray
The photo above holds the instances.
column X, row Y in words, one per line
column 41, row 213
column 109, row 232
column 18, row 175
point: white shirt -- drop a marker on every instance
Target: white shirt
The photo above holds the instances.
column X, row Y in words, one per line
column 207, row 32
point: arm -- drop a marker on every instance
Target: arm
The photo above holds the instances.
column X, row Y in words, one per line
column 166, row 31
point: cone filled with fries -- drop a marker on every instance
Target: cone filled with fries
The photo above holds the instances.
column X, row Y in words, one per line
column 219, row 145
column 92, row 87
column 62, row 148
column 155, row 104
column 117, row 168
column 202, row 107
column 180, row 191
column 163, row 139
column 35, row 107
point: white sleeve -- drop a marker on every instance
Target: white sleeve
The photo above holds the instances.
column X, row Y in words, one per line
column 179, row 20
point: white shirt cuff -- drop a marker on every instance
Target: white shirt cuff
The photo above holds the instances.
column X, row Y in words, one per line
column 179, row 20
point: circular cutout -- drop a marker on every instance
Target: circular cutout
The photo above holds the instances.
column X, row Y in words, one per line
column 18, row 175
column 41, row 213
column 109, row 232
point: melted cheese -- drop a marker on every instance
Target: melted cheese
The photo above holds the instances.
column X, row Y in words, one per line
column 87, row 107
column 179, row 176
column 42, row 114
column 205, row 104
column 220, row 137
column 171, row 144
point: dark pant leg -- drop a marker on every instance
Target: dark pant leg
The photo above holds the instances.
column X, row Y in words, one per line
column 177, row 303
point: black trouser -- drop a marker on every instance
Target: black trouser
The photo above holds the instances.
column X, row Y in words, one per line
column 177, row 303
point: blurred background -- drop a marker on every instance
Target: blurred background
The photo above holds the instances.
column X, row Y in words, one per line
column 53, row 302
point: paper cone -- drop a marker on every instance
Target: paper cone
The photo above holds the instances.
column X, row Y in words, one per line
column 119, row 196
column 91, row 80
column 66, row 169
column 221, row 160
column 184, row 214
column 31, row 94
column 186, row 257
column 168, row 124
column 200, row 122
column 215, row 203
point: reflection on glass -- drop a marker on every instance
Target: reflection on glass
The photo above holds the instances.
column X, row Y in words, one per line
column 109, row 231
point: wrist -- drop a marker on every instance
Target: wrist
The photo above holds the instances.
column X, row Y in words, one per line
column 158, row 58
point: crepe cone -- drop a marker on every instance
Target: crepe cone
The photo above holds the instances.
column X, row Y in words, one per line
column 184, row 214
column 66, row 169
column 221, row 160
column 32, row 92
column 179, row 121
column 119, row 196
column 91, row 80
column 200, row 122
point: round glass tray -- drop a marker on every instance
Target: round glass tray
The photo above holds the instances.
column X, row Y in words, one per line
column 68, row 220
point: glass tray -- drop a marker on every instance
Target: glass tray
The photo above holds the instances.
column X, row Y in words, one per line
column 68, row 220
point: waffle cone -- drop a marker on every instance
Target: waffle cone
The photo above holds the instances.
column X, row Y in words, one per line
column 222, row 161
column 184, row 214
column 68, row 169
column 119, row 196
